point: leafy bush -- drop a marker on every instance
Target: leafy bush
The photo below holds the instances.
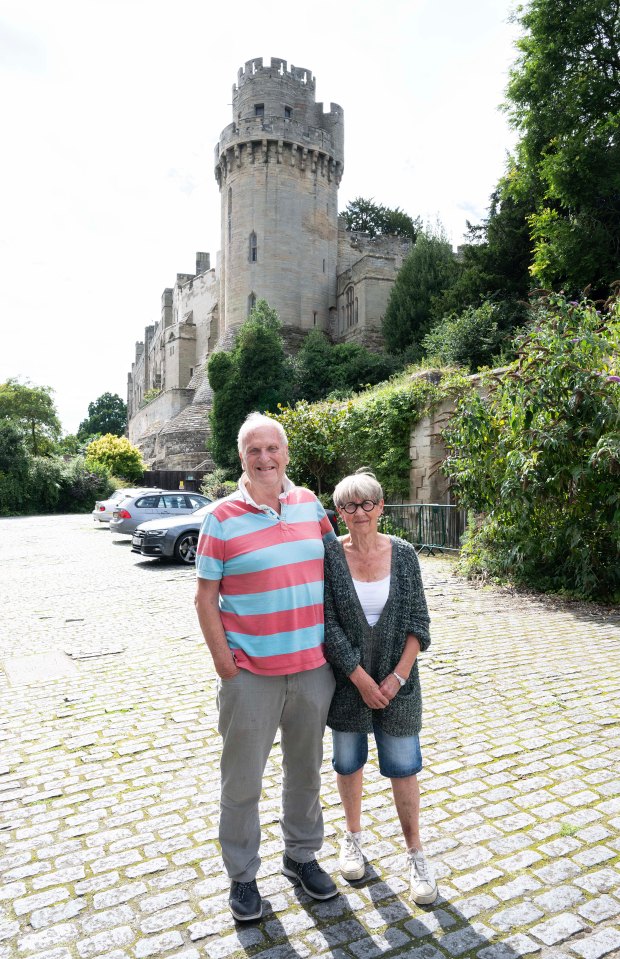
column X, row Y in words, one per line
column 539, row 456
column 470, row 339
column 215, row 485
column 115, row 454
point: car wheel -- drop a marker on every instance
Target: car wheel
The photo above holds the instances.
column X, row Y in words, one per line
column 185, row 548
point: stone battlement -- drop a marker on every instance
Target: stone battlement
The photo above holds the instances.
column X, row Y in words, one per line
column 277, row 68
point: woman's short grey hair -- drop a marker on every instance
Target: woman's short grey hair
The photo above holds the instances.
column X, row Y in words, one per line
column 359, row 486
column 256, row 421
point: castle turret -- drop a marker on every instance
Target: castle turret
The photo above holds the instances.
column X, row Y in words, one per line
column 278, row 166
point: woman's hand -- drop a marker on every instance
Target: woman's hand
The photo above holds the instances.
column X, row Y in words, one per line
column 390, row 686
column 368, row 689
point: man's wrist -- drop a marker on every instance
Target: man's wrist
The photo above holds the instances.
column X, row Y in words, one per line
column 401, row 679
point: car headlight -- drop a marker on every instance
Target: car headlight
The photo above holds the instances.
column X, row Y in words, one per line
column 155, row 533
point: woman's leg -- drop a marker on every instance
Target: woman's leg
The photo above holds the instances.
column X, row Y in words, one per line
column 350, row 789
column 407, row 800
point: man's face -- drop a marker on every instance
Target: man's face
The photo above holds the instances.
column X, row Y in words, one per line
column 264, row 457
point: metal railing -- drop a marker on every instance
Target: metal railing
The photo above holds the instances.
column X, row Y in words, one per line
column 427, row 526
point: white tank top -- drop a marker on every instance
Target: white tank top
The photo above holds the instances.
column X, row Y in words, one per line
column 373, row 597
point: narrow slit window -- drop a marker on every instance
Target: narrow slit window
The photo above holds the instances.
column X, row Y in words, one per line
column 259, row 109
column 229, row 214
column 251, row 302
column 288, row 113
column 253, row 251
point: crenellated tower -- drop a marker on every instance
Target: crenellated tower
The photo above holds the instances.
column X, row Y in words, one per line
column 278, row 166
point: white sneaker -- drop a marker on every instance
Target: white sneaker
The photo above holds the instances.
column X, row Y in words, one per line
column 422, row 882
column 351, row 860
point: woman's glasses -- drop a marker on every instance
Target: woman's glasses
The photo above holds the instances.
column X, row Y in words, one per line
column 351, row 508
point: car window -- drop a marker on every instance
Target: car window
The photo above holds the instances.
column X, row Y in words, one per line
column 175, row 501
column 195, row 501
column 148, row 502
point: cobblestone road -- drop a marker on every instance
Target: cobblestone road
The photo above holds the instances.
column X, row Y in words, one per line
column 109, row 776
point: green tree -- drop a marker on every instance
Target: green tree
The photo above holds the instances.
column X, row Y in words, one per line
column 317, row 443
column 539, row 456
column 32, row 411
column 366, row 216
column 471, row 338
column 116, row 455
column 107, row 414
column 255, row 375
column 429, row 269
column 564, row 100
column 321, row 368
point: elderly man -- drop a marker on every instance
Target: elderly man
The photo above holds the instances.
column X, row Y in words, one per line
column 260, row 605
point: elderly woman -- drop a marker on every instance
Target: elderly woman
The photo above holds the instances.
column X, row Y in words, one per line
column 376, row 623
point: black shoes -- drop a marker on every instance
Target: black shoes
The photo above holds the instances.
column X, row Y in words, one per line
column 245, row 901
column 313, row 879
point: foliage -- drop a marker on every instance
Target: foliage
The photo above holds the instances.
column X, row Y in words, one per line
column 13, row 468
column 321, row 368
column 317, row 437
column 116, row 455
column 429, row 269
column 470, row 339
column 151, row 394
column 107, row 414
column 564, row 99
column 366, row 216
column 255, row 375
column 539, row 456
column 32, row 410
column 217, row 484
column 327, row 440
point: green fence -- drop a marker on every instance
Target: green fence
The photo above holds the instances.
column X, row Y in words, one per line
column 429, row 527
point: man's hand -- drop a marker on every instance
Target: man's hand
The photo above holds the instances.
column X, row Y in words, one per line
column 390, row 686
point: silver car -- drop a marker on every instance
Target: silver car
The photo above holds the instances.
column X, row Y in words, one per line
column 102, row 512
column 175, row 537
column 134, row 510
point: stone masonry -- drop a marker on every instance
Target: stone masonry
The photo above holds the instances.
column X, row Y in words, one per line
column 278, row 166
column 109, row 776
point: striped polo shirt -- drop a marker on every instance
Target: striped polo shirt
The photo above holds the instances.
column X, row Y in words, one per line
column 271, row 572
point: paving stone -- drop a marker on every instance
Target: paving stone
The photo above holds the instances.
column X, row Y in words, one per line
column 39, row 901
column 558, row 929
column 154, row 945
column 510, row 948
column 604, row 907
column 167, row 918
column 105, row 941
column 599, row 944
column 603, row 880
column 107, row 919
column 559, row 899
column 464, row 940
column 476, row 879
column 54, row 914
column 48, row 938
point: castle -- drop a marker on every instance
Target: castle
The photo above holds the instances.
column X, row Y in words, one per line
column 278, row 166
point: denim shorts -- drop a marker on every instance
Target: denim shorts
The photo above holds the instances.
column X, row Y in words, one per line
column 399, row 756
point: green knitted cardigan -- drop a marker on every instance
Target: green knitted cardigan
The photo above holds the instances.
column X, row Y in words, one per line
column 350, row 642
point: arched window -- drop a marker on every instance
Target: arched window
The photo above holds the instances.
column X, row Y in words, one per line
column 253, row 251
column 251, row 302
column 229, row 214
column 349, row 305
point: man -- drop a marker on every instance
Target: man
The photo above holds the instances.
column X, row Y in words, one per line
column 259, row 599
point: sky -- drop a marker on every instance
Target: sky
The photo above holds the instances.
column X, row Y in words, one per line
column 110, row 112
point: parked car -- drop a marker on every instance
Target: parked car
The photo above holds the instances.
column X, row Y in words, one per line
column 175, row 537
column 102, row 512
column 133, row 510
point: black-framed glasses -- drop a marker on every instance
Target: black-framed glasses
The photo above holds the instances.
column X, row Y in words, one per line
column 351, row 508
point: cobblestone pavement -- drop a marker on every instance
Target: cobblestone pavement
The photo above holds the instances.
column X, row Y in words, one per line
column 109, row 776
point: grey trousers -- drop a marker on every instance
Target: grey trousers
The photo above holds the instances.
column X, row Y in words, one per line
column 251, row 709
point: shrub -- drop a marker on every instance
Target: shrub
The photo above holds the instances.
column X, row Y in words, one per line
column 215, row 485
column 115, row 454
column 539, row 456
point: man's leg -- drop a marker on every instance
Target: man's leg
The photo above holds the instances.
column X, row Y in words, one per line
column 303, row 725
column 250, row 707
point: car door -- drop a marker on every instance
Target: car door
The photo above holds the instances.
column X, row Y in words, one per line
column 177, row 504
column 151, row 507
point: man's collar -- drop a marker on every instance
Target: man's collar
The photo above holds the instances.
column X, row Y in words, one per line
column 287, row 486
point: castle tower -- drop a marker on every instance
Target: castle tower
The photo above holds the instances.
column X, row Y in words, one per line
column 278, row 166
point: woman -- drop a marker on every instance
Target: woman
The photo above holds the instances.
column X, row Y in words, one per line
column 376, row 623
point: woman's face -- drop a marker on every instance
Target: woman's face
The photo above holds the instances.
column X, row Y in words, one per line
column 361, row 515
